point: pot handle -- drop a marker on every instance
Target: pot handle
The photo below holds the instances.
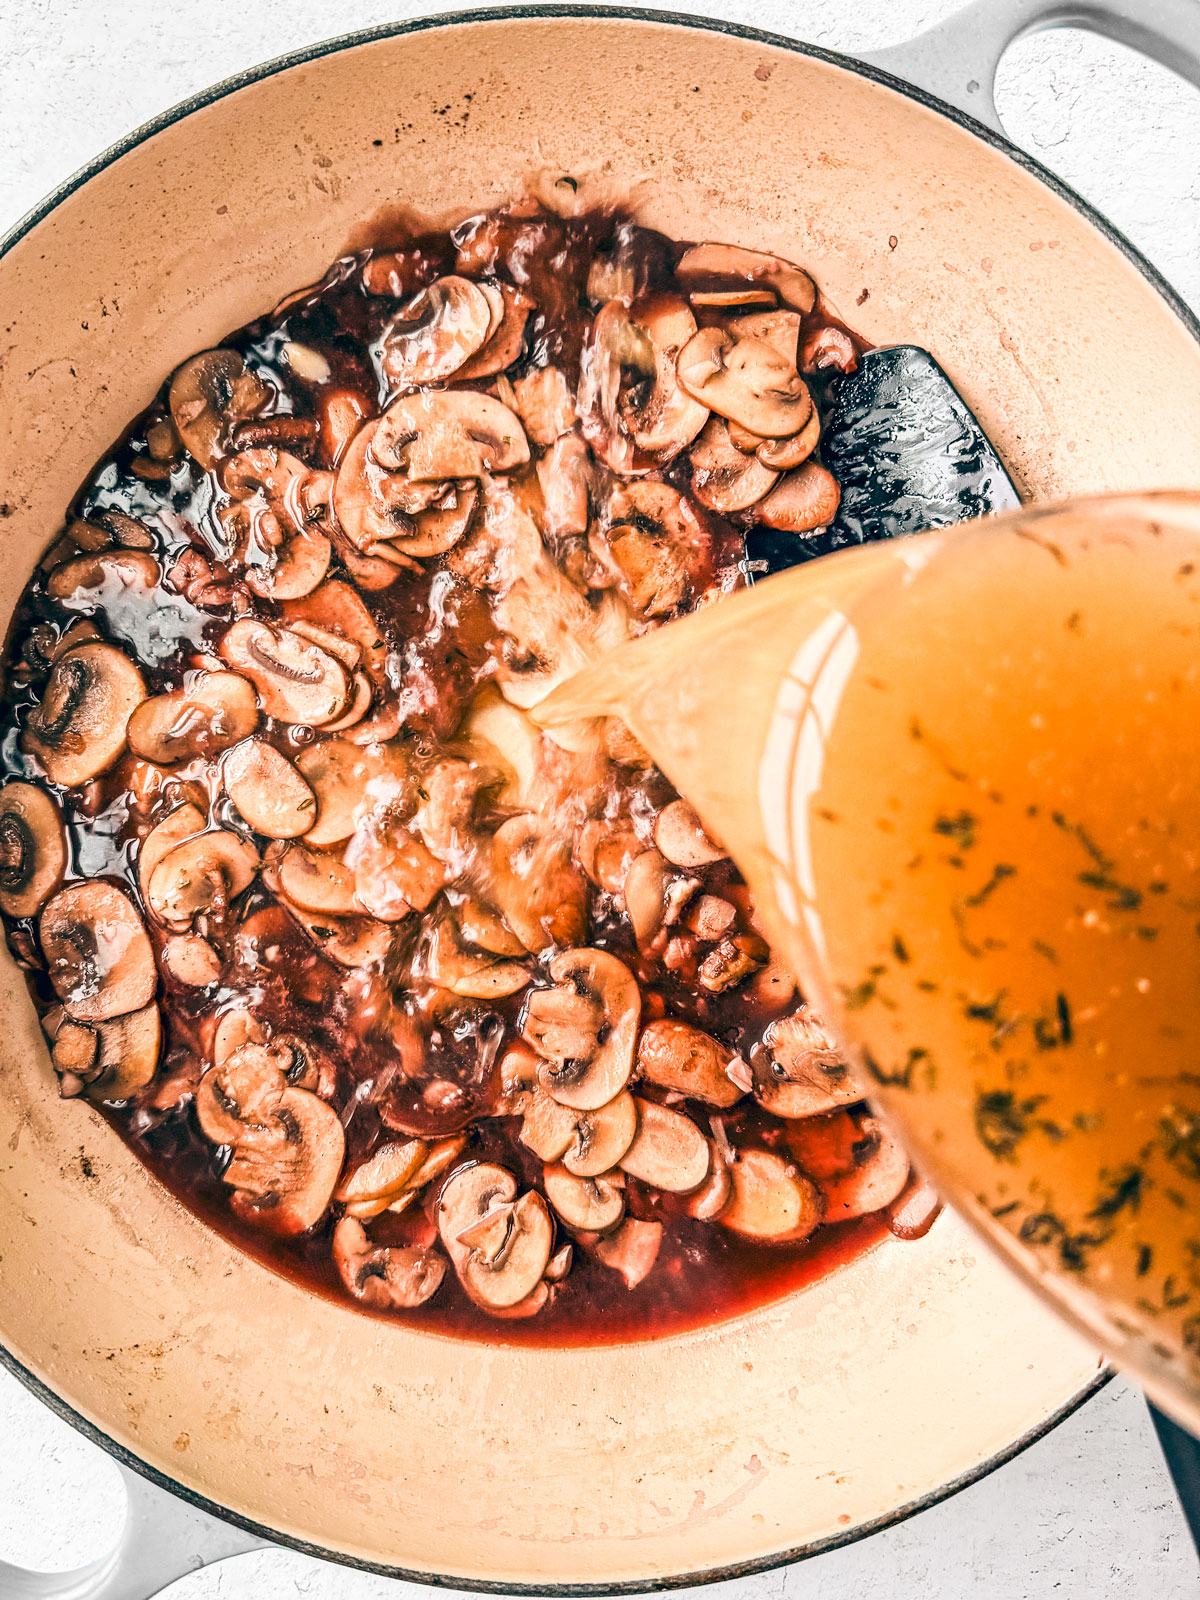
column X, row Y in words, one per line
column 956, row 60
column 163, row 1539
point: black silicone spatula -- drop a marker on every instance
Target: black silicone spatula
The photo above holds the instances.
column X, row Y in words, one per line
column 910, row 455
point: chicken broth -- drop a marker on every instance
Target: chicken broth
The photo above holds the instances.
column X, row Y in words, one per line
column 453, row 1018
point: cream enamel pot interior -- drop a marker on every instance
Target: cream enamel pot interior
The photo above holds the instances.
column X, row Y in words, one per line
column 800, row 1425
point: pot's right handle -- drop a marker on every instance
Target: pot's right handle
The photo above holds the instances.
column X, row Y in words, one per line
column 957, row 59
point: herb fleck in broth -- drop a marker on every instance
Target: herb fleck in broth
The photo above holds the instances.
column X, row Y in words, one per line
column 445, row 1017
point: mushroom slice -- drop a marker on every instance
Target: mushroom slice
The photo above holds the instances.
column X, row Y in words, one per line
column 708, row 1202
column 191, row 961
column 536, row 885
column 668, row 1150
column 439, row 528
column 128, row 1056
column 353, row 942
column 586, row 1027
column 710, row 918
column 440, row 329
column 234, row 1029
column 593, row 1205
column 505, row 1273
column 315, row 881
column 210, row 394
column 676, row 1055
column 784, row 454
column 645, row 894
column 505, row 341
column 296, row 682
column 97, row 952
column 712, row 267
column 802, row 1074
column 284, row 1184
column 384, row 1173
column 653, row 575
column 802, row 501
column 294, row 569
column 107, row 571
column 779, row 329
column 372, row 503
column 681, row 838
column 469, row 1196
column 915, row 1209
column 216, row 710
column 545, row 404
column 237, row 1099
column 601, row 1137
column 632, row 1250
column 179, row 825
column 668, row 418
column 393, row 871
column 338, row 612
column 201, row 876
column 747, row 381
column 771, row 1200
column 348, row 778
column 856, row 1162
column 487, row 929
column 548, row 1129
column 449, row 433
column 468, row 973
column 78, row 731
column 33, row 849
column 385, row 1277
column 268, row 791
column 565, row 476
column 723, row 479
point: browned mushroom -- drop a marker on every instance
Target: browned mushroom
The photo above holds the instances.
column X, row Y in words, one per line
column 709, row 917
column 238, row 1098
column 108, row 572
column 473, row 974
column 33, row 849
column 668, row 1150
column 347, row 780
column 716, row 266
column 214, row 711
column 385, row 1277
column 201, row 876
column 296, row 682
column 548, row 1129
column 680, row 837
column 802, row 501
column 174, row 828
column 283, row 1183
column 915, row 1209
column 317, row 881
column 393, row 871
column 337, row 611
column 536, row 884
column 268, row 791
column 234, row 1029
column 735, row 957
column 499, row 1244
column 449, row 433
column 708, row 1202
column 723, row 479
column 586, row 1027
column 191, row 960
column 593, row 1205
column 545, row 404
column 781, row 455
column 129, row 1047
column 801, row 1072
column 676, row 1055
column 97, row 952
column 779, row 329
column 565, row 476
column 78, row 730
column 440, row 329
column 353, row 942
column 481, row 925
column 293, row 568
column 771, row 1200
column 386, row 1173
column 606, row 851
column 654, row 546
column 856, row 1162
column 632, row 1250
column 505, row 341
column 669, row 418
column 745, row 380
column 601, row 1137
column 644, row 891
column 209, row 395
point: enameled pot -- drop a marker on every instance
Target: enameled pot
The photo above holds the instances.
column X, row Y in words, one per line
column 905, row 1373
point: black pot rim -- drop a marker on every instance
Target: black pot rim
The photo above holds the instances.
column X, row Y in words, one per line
column 349, row 41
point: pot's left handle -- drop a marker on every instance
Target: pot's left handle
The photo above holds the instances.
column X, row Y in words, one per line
column 163, row 1539
column 956, row 60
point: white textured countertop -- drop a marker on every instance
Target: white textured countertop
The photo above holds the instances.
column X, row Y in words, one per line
column 1086, row 1514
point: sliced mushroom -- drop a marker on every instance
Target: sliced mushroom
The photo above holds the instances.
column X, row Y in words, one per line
column 747, row 381
column 632, row 1250
column 779, row 329
column 200, row 877
column 772, row 1200
column 548, row 1129
column 128, row 1055
column 723, row 479
column 385, row 1173
column 505, row 341
column 592, row 1204
column 784, row 454
column 499, row 1244
column 600, row 1138
column 915, row 1209
column 857, row 1163
column 393, row 871
column 294, row 568
column 565, row 476
column 709, row 917
column 827, row 348
column 586, row 1027
column 487, row 929
column 191, row 961
column 234, row 1029
column 676, row 1055
column 802, row 501
column 445, row 816
column 802, row 1073
column 107, row 571
column 296, row 681
column 211, row 713
column 238, row 1098
column 733, row 959
column 536, row 885
column 670, row 418
column 33, row 849
column 78, row 731
column 353, row 942
column 268, row 791
column 449, row 433
column 317, row 881
column 708, row 1202
column 284, row 1184
column 385, row 1277
column 337, row 611
column 439, row 330
column 174, row 828
column 97, row 952
column 655, row 546
column 714, row 266
column 545, row 404
column 475, row 975
column 209, row 395
column 347, row 780
column 681, row 838
column 645, row 894
column 668, row 1150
